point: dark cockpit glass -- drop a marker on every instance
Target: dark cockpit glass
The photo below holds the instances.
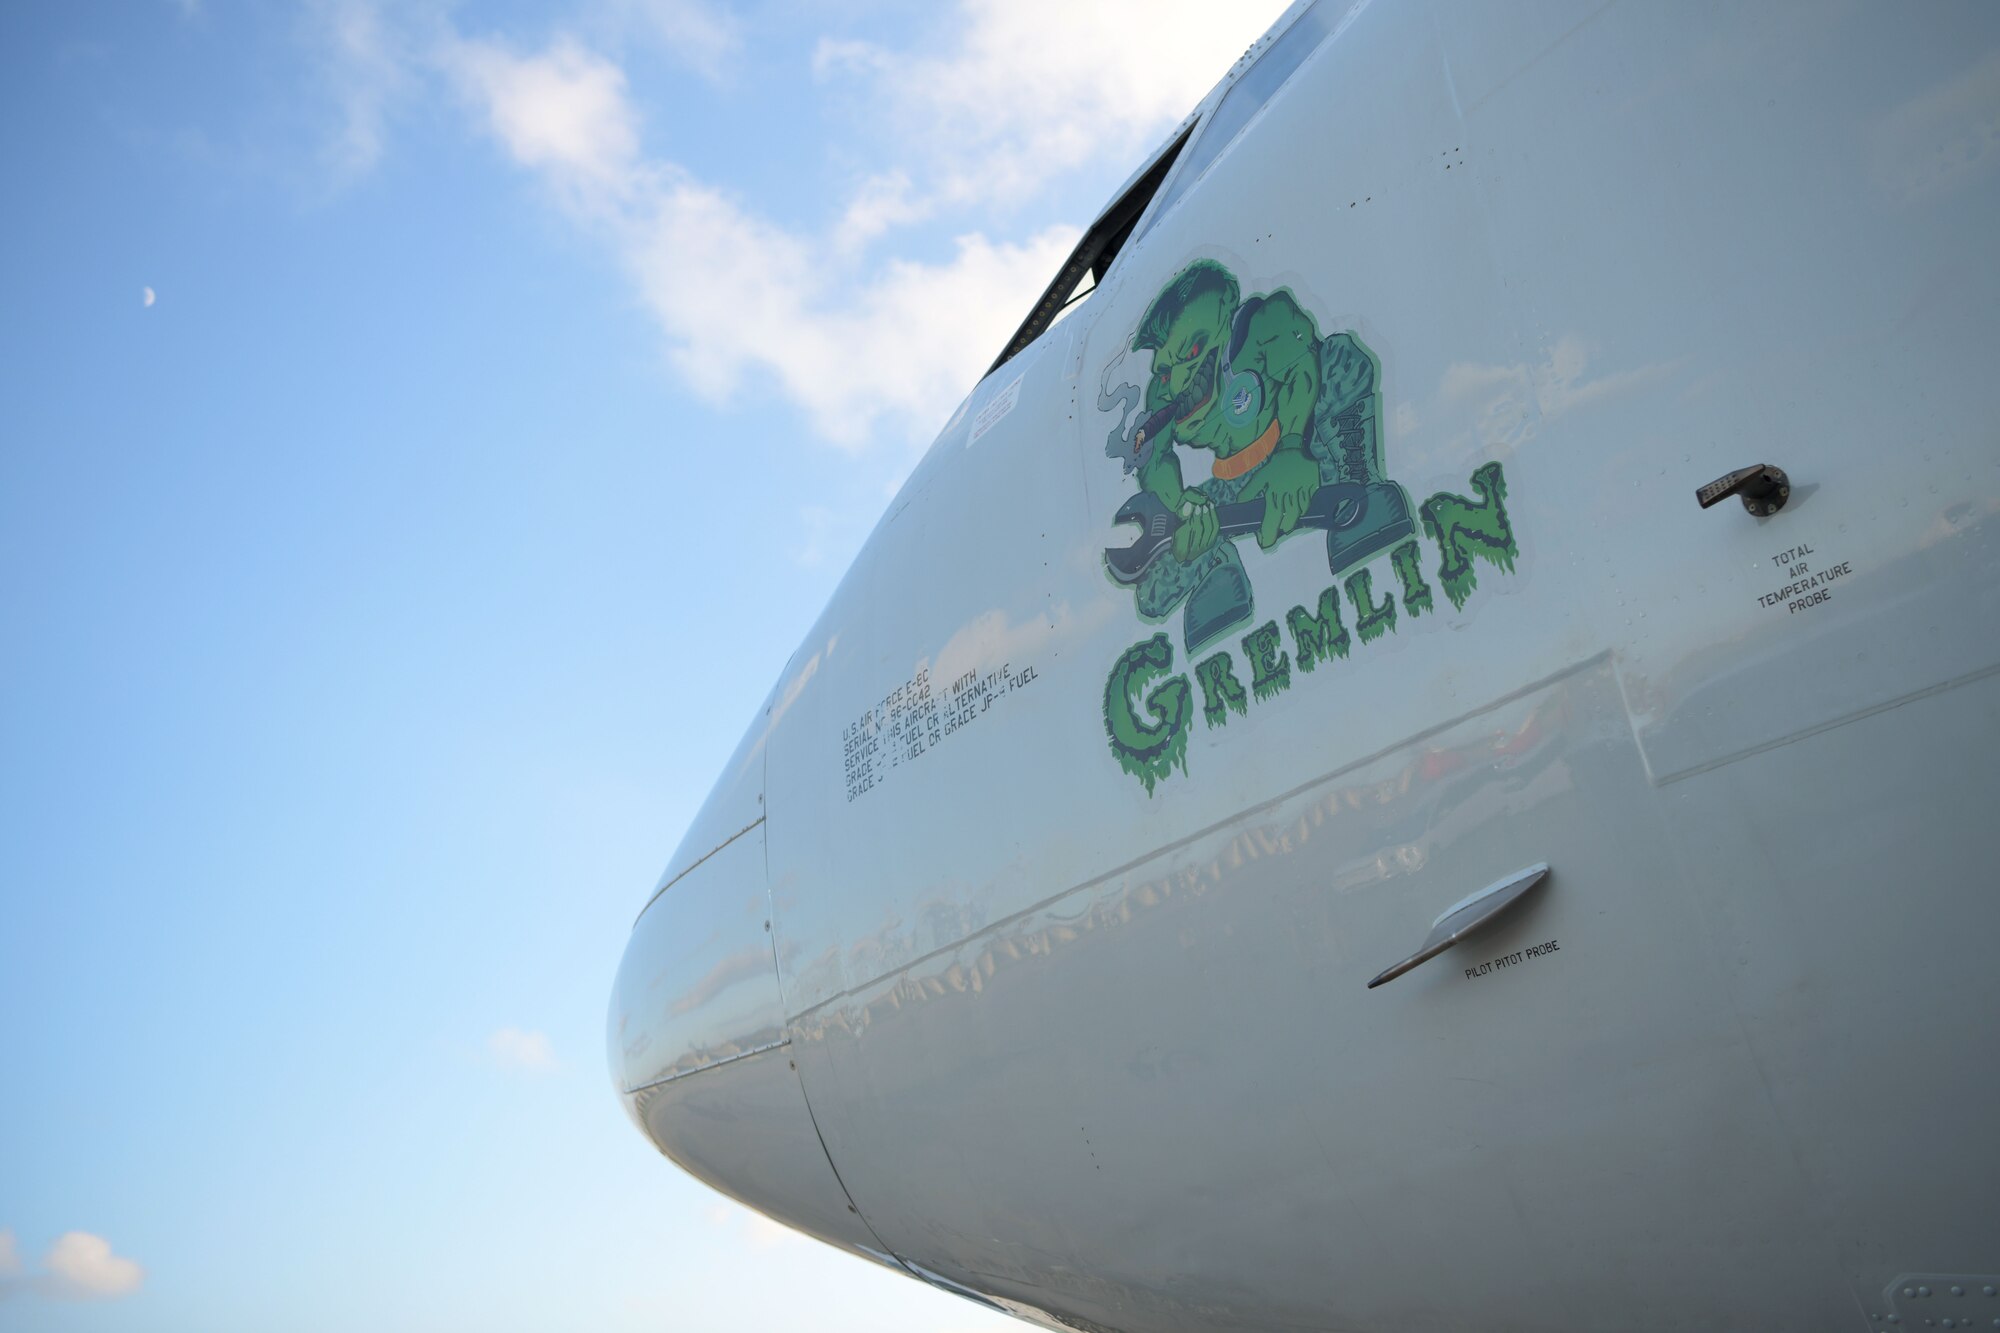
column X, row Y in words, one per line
column 1247, row 96
column 1120, row 223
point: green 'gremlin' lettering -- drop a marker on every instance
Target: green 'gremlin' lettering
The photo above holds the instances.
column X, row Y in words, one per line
column 1318, row 637
column 1221, row 692
column 1152, row 746
column 1464, row 529
column 1371, row 622
column 1270, row 669
column 1408, row 560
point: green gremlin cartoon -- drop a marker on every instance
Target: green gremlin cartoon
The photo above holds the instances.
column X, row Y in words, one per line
column 1292, row 422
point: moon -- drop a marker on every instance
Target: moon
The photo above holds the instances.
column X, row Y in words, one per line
column 148, row 298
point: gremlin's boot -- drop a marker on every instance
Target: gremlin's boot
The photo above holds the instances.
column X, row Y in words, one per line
column 1385, row 520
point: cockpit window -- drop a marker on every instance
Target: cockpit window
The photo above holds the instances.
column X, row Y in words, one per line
column 1092, row 257
column 1117, row 225
column 1247, row 96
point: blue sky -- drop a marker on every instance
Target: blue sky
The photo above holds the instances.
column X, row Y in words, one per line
column 425, row 431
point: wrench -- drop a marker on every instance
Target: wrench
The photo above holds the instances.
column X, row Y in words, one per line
column 1336, row 507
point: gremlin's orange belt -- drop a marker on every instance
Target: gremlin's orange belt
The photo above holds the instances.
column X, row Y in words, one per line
column 1240, row 462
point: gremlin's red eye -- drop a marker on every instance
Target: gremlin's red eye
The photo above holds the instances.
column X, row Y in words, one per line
column 1194, row 348
column 1163, row 377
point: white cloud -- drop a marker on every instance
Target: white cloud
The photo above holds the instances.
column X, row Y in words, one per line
column 527, row 1051
column 374, row 55
column 147, row 297
column 700, row 36
column 764, row 1233
column 755, row 1229
column 751, row 308
column 81, row 1266
column 366, row 64
column 754, row 311
column 563, row 112
column 1009, row 103
column 879, row 203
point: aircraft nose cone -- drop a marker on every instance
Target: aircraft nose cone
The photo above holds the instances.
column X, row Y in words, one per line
column 702, row 1056
column 698, row 986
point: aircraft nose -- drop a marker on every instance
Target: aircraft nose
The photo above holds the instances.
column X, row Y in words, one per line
column 698, row 986
column 700, row 1052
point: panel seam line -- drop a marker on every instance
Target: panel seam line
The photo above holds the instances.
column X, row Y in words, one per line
column 696, row 863
column 678, row 1074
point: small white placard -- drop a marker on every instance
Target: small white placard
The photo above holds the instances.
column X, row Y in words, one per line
column 998, row 406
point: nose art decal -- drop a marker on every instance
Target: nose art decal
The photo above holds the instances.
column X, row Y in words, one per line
column 1287, row 423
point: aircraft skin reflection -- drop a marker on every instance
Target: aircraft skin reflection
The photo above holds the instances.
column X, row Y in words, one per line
column 1202, row 666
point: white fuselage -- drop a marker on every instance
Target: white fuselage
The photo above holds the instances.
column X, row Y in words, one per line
column 1016, row 948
